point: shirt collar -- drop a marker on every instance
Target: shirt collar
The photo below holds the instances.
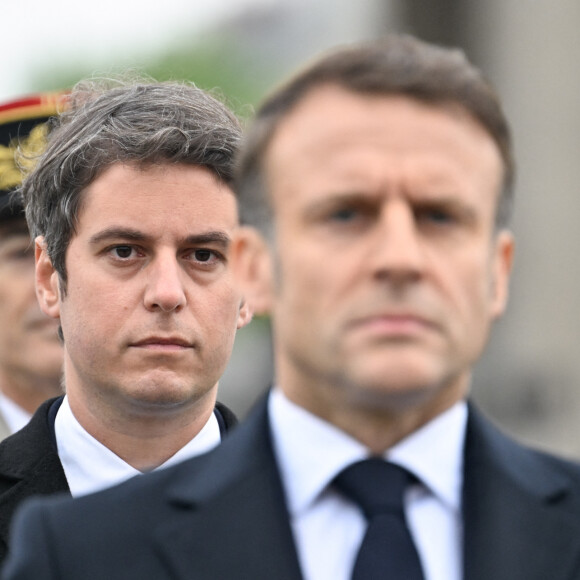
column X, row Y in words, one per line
column 311, row 452
column 90, row 466
column 434, row 453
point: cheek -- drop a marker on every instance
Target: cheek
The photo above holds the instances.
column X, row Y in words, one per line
column 94, row 292
column 301, row 282
column 7, row 322
column 474, row 290
column 16, row 298
column 89, row 312
column 216, row 303
column 313, row 294
column 323, row 275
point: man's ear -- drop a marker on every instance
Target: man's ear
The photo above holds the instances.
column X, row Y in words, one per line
column 252, row 267
column 245, row 314
column 502, row 267
column 47, row 287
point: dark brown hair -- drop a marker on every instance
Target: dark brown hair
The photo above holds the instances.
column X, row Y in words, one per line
column 127, row 120
column 396, row 65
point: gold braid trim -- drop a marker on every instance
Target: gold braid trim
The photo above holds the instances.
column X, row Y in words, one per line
column 26, row 150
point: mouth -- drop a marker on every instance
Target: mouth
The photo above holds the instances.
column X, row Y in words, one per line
column 163, row 344
column 394, row 325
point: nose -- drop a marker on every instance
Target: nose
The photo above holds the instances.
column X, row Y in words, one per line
column 398, row 252
column 165, row 290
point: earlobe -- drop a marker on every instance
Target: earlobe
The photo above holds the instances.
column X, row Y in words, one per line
column 245, row 314
column 47, row 287
column 503, row 262
column 251, row 264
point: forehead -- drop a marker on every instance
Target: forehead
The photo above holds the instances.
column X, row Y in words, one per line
column 157, row 197
column 335, row 132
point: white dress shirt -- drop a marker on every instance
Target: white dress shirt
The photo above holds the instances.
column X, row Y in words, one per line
column 14, row 415
column 90, row 466
column 328, row 529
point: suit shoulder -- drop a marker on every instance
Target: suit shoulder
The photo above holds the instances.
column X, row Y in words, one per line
column 30, row 444
column 135, row 490
column 538, row 471
column 552, row 461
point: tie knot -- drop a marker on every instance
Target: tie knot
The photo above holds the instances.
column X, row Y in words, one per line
column 375, row 485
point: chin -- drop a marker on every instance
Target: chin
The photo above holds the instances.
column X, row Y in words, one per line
column 397, row 388
column 155, row 406
column 156, row 395
column 163, row 393
column 396, row 398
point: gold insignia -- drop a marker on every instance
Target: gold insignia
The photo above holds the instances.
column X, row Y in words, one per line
column 26, row 151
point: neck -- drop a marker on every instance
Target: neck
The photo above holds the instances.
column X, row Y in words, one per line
column 379, row 430
column 377, row 422
column 144, row 441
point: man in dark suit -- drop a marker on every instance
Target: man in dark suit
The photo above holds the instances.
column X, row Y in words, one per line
column 376, row 186
column 132, row 217
column 30, row 352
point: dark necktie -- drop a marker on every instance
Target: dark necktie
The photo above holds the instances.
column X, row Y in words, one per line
column 387, row 551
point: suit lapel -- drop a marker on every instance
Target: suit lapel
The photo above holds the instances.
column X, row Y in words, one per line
column 229, row 516
column 29, row 465
column 518, row 511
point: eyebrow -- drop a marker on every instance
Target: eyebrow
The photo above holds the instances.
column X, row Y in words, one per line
column 362, row 199
column 359, row 200
column 462, row 207
column 133, row 235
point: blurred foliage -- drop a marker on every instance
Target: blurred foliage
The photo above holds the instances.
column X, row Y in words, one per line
column 213, row 63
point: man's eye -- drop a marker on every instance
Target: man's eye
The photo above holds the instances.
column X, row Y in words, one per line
column 203, row 255
column 344, row 214
column 436, row 216
column 439, row 216
column 122, row 252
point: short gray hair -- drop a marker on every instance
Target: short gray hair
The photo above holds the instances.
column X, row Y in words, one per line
column 122, row 121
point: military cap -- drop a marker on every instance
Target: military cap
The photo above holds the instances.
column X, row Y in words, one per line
column 23, row 129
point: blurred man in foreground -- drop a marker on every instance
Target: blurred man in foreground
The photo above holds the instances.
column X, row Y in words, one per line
column 377, row 184
column 30, row 351
column 132, row 216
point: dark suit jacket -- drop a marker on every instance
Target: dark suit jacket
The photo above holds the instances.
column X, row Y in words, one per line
column 30, row 466
column 223, row 515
